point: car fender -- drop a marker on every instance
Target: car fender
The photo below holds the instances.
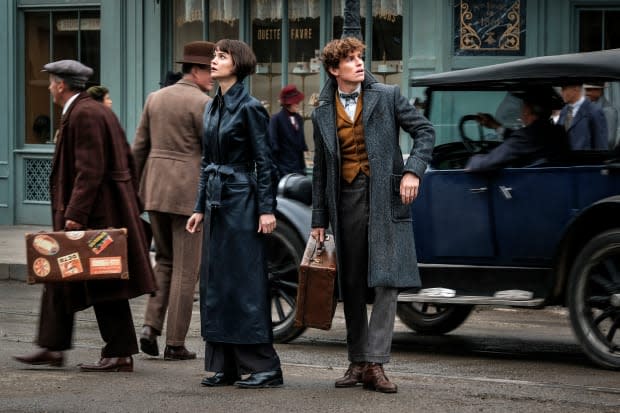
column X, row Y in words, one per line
column 599, row 216
column 297, row 214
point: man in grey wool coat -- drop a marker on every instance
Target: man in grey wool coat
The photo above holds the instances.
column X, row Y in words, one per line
column 362, row 187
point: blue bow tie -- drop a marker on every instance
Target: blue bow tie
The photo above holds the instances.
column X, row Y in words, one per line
column 349, row 98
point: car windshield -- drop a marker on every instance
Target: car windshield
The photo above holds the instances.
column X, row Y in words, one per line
column 451, row 112
column 449, row 108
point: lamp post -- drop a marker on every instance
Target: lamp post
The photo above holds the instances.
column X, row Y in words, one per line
column 351, row 26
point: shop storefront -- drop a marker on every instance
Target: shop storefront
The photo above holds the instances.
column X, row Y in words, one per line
column 132, row 44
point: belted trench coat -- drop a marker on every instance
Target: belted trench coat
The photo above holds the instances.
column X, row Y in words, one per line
column 235, row 188
column 391, row 257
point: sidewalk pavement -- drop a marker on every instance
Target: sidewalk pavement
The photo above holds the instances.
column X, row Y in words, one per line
column 13, row 250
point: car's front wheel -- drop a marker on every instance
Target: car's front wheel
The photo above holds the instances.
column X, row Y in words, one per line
column 284, row 253
column 431, row 318
column 594, row 299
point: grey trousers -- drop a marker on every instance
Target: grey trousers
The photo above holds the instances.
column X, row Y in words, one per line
column 177, row 263
column 367, row 341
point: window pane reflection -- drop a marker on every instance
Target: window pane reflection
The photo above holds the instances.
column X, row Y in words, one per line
column 224, row 19
column 51, row 36
column 188, row 23
column 266, row 17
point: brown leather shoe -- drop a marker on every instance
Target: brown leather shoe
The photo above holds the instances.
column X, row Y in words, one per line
column 178, row 353
column 42, row 357
column 110, row 364
column 375, row 379
column 148, row 341
column 352, row 376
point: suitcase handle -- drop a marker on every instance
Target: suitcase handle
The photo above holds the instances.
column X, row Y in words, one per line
column 320, row 247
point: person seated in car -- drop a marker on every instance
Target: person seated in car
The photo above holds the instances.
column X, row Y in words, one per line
column 536, row 141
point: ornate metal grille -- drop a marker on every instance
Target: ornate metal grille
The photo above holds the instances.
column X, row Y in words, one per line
column 36, row 179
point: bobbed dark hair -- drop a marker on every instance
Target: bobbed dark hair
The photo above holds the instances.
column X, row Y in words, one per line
column 244, row 59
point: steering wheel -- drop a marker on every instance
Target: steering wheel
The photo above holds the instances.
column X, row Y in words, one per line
column 472, row 146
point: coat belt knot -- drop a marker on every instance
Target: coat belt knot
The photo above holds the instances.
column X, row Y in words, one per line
column 214, row 180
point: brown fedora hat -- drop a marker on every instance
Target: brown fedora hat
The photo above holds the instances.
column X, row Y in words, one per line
column 199, row 52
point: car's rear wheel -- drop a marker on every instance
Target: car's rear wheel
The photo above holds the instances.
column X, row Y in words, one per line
column 431, row 318
column 594, row 299
column 284, row 252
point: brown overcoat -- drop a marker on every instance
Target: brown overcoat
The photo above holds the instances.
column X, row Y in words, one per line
column 93, row 182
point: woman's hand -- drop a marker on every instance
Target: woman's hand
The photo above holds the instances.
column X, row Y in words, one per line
column 266, row 223
column 193, row 223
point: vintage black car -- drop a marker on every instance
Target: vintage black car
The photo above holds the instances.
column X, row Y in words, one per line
column 535, row 234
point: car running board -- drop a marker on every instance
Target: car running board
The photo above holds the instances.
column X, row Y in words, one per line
column 470, row 299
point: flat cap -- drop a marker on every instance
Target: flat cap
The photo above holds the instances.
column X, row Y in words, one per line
column 73, row 69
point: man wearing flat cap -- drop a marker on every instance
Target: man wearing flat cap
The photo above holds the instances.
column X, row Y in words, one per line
column 167, row 149
column 92, row 185
column 595, row 92
column 286, row 132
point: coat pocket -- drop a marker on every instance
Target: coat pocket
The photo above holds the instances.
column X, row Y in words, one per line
column 400, row 211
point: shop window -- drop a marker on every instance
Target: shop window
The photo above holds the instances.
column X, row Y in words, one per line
column 51, row 36
column 188, row 23
column 266, row 18
column 304, row 50
column 386, row 56
column 224, row 19
column 598, row 30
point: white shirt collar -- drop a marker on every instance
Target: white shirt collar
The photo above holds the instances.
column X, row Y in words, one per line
column 578, row 104
column 351, row 108
column 65, row 108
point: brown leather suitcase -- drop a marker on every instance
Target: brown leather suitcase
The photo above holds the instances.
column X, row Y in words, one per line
column 316, row 302
column 77, row 255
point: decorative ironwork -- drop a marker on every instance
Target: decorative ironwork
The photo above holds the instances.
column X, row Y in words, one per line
column 36, row 179
column 490, row 27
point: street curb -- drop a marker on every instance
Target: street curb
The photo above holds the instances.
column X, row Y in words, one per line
column 13, row 272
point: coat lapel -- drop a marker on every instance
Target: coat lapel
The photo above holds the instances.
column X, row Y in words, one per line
column 327, row 126
column 371, row 97
column 580, row 114
column 64, row 121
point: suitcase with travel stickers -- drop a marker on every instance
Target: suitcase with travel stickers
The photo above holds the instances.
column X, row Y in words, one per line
column 64, row 256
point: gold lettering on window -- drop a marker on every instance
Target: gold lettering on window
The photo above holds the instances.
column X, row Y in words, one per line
column 302, row 33
column 268, row 34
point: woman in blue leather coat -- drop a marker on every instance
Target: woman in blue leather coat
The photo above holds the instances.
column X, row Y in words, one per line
column 237, row 204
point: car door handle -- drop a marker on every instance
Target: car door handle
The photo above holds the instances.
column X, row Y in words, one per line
column 506, row 191
column 478, row 190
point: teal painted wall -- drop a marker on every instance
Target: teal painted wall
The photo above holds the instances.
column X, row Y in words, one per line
column 133, row 56
column 7, row 109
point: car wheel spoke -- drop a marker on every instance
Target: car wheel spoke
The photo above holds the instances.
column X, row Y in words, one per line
column 279, row 309
column 289, row 300
column 602, row 282
column 612, row 330
column 612, row 270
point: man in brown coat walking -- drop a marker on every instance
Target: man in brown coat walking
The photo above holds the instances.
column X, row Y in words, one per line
column 92, row 185
column 167, row 149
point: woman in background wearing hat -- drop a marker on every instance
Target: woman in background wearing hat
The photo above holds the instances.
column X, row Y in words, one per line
column 286, row 132
column 236, row 199
column 100, row 94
